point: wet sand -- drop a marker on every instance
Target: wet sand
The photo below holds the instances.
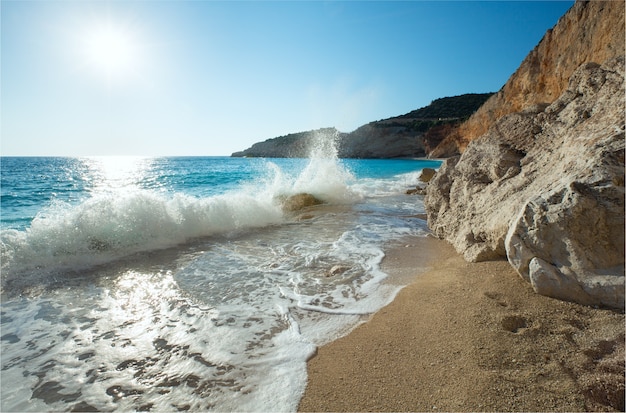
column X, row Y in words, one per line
column 470, row 337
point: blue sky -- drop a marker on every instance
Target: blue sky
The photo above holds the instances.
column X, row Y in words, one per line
column 209, row 77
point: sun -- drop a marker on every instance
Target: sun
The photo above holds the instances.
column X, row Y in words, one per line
column 110, row 50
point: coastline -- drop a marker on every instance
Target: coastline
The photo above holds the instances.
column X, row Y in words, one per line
column 470, row 337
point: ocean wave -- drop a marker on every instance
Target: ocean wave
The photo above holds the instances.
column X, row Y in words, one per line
column 112, row 225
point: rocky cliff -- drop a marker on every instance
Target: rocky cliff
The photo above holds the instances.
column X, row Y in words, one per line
column 413, row 134
column 544, row 186
column 591, row 31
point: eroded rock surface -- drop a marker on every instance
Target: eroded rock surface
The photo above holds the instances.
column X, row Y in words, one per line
column 545, row 188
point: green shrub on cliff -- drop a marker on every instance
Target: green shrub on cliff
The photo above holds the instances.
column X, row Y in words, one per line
column 458, row 107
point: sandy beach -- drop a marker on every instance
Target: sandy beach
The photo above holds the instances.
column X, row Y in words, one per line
column 470, row 337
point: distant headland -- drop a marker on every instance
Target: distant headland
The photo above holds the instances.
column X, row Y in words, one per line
column 414, row 134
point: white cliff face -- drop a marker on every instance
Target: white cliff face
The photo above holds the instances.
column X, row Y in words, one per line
column 545, row 188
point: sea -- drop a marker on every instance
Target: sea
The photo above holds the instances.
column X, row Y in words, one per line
column 181, row 284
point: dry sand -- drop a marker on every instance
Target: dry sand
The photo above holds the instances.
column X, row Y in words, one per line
column 471, row 337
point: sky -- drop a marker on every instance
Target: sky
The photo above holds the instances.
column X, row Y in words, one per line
column 208, row 78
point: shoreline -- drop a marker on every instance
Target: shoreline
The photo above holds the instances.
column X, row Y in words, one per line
column 470, row 337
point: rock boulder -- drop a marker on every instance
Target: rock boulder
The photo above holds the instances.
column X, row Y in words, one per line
column 545, row 188
column 299, row 201
column 427, row 174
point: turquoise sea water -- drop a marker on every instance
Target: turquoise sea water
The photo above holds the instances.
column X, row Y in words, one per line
column 164, row 284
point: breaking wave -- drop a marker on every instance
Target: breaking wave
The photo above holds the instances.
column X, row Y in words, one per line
column 112, row 225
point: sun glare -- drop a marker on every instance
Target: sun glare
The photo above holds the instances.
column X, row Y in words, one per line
column 117, row 173
column 110, row 50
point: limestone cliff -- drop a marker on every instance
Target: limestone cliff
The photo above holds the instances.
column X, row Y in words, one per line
column 591, row 31
column 545, row 188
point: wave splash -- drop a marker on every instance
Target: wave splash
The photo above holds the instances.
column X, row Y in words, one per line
column 111, row 225
column 323, row 177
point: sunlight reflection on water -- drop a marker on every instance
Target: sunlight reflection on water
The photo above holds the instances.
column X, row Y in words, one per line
column 117, row 173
